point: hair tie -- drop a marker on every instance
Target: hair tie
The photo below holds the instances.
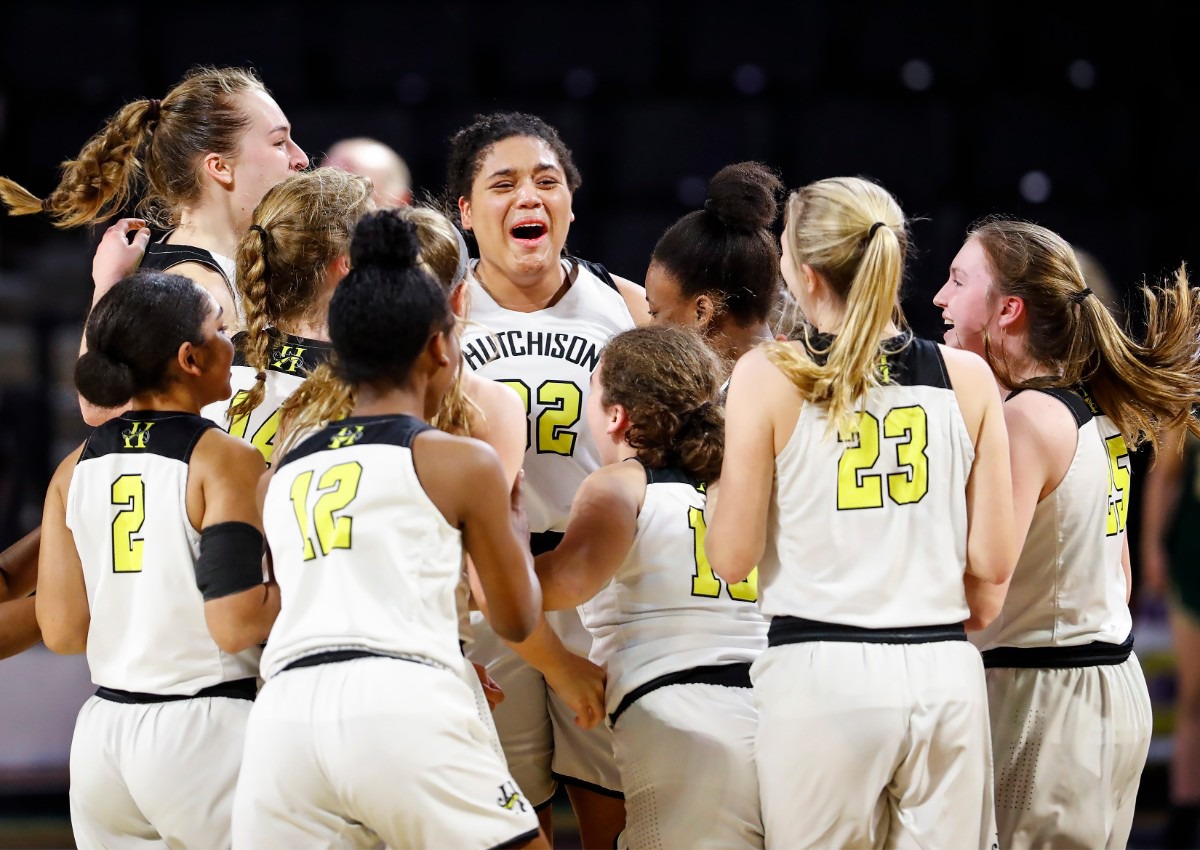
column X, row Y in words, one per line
column 47, row 205
column 260, row 376
column 871, row 232
column 153, row 109
column 265, row 238
column 1078, row 297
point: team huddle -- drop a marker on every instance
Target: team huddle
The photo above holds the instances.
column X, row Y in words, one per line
column 394, row 519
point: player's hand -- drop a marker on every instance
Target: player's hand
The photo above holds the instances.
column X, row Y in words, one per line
column 520, row 520
column 580, row 684
column 492, row 692
column 116, row 256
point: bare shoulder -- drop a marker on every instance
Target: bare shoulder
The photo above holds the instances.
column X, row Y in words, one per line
column 223, row 450
column 1040, row 417
column 615, row 484
column 964, row 366
column 464, row 455
column 493, row 397
column 635, row 299
column 66, row 468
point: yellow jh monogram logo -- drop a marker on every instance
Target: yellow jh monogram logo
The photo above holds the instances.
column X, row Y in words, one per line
column 135, row 437
column 288, row 358
column 346, row 436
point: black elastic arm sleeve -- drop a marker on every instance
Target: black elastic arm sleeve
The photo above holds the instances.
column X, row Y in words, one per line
column 230, row 559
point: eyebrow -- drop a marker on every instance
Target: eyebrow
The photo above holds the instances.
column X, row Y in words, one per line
column 509, row 172
column 287, row 128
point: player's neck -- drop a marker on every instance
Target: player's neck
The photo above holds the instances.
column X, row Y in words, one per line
column 526, row 296
column 177, row 397
column 732, row 340
column 391, row 400
column 207, row 228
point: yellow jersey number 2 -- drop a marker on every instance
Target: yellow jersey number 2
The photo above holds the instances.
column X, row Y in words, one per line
column 858, row 487
column 338, row 485
column 550, row 431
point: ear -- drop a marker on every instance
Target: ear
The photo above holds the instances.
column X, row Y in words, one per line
column 187, row 360
column 464, row 213
column 338, row 269
column 1010, row 312
column 706, row 311
column 617, row 421
column 458, row 299
column 438, row 349
column 218, row 168
column 811, row 279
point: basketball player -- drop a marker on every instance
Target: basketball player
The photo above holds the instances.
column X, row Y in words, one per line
column 151, row 562
column 290, row 260
column 364, row 730
column 1069, row 708
column 206, row 153
column 717, row 269
column 676, row 643
column 866, row 473
column 390, row 179
column 473, row 406
column 538, row 320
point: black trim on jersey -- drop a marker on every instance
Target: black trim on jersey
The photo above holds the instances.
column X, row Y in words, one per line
column 596, row 269
column 230, row 559
column 163, row 257
column 283, row 356
column 908, row 360
column 541, row 542
column 587, row 786
column 523, row 838
column 169, row 433
column 333, row 656
column 1075, row 403
column 393, row 429
column 728, row 675
column 670, row 475
column 237, row 689
column 785, row 630
column 1094, row 654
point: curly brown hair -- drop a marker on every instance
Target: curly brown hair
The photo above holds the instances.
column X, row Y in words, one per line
column 668, row 380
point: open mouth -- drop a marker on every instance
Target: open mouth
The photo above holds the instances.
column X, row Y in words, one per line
column 529, row 231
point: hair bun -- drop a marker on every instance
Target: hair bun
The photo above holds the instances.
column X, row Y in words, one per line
column 744, row 196
column 384, row 240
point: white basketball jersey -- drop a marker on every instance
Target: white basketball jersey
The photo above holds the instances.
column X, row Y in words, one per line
column 1068, row 588
column 872, row 532
column 664, row 610
column 127, row 509
column 364, row 559
column 548, row 357
column 292, row 359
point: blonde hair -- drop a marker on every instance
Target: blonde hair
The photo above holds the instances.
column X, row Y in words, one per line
column 853, row 234
column 300, row 227
column 151, row 146
column 1144, row 387
column 324, row 397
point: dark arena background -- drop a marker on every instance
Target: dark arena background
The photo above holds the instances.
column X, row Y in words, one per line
column 1076, row 118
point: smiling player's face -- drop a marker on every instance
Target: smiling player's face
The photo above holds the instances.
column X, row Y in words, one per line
column 519, row 209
